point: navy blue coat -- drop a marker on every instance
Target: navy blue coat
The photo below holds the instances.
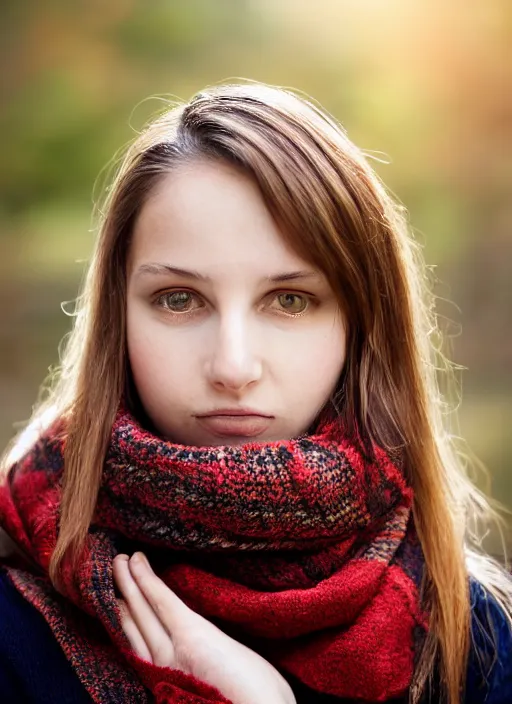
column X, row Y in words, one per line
column 34, row 670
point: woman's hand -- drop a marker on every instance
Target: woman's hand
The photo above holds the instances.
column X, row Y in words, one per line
column 163, row 630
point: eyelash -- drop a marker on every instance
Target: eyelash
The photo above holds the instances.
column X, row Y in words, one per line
column 311, row 301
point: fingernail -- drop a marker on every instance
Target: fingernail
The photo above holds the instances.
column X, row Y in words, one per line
column 140, row 557
column 125, row 558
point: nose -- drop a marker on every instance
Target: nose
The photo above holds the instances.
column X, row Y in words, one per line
column 233, row 363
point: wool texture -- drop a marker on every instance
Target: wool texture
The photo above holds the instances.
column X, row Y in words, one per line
column 304, row 550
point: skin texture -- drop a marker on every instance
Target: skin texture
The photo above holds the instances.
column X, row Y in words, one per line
column 237, row 339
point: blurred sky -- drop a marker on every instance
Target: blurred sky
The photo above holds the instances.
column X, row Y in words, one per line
column 426, row 86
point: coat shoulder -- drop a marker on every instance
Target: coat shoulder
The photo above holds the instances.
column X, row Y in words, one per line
column 489, row 678
column 33, row 667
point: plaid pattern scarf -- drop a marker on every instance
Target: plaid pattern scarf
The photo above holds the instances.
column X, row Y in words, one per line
column 305, row 549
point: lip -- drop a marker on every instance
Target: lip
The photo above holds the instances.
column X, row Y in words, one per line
column 234, row 412
column 235, row 422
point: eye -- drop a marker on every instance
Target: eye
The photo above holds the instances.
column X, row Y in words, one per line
column 293, row 303
column 177, row 301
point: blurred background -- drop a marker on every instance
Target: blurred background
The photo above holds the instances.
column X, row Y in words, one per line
column 426, row 84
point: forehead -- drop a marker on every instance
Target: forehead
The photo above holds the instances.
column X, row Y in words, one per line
column 209, row 213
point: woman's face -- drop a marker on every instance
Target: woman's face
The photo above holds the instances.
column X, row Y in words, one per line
column 223, row 318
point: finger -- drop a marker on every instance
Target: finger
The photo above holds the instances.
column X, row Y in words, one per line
column 170, row 609
column 132, row 632
column 157, row 639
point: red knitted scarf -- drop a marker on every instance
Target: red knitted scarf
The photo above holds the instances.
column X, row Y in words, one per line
column 304, row 549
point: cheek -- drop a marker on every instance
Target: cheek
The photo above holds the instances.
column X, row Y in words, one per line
column 335, row 349
column 158, row 367
column 323, row 361
column 324, row 350
column 312, row 365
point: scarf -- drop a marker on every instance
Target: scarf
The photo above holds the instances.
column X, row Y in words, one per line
column 305, row 549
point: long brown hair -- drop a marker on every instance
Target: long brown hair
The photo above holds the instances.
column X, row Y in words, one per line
column 334, row 211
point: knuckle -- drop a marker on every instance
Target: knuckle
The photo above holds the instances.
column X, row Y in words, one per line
column 158, row 606
column 129, row 592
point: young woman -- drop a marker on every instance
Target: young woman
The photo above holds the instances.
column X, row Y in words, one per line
column 240, row 488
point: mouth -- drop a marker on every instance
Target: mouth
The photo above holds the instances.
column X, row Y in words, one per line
column 235, row 423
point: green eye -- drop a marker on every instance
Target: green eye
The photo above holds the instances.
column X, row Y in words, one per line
column 292, row 302
column 176, row 301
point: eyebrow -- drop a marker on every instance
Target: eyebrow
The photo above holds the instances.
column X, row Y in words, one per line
column 158, row 269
